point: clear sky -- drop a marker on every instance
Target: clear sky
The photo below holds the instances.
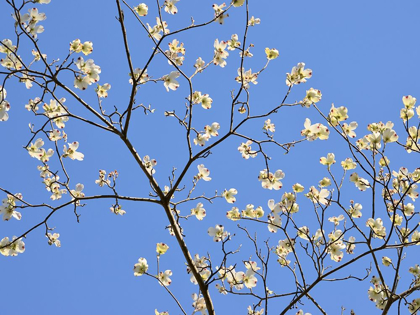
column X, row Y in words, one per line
column 364, row 55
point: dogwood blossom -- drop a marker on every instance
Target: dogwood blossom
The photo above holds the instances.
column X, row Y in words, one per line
column 102, row 179
column 355, row 210
column 233, row 214
column 203, row 173
column 14, row 249
column 199, row 304
column 336, row 220
column 329, row 160
column 141, row 9
column 315, row 131
column 298, row 74
column 7, row 47
column 348, row 164
column 271, row 53
column 148, row 164
column 161, row 248
column 199, row 211
column 312, row 96
column 169, row 81
column 202, row 268
column 254, row 21
column 325, row 182
column 218, row 233
column 218, row 12
column 53, row 239
column 211, row 130
column 337, row 114
column 164, row 278
column 360, row 182
column 11, row 62
column 245, row 149
column 56, row 191
column 141, row 267
column 199, row 64
column 7, row 209
column 250, row 212
column 170, row 6
column 318, row 196
column 71, row 151
column 246, row 77
column 348, row 129
column 229, row 195
column 117, row 209
column 271, row 181
column 220, row 54
column 269, row 126
column 377, row 227
column 102, row 90
column 137, row 72
column 233, row 42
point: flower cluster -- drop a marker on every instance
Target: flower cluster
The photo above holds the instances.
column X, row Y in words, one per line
column 246, row 77
column 174, row 50
column 204, row 99
column 315, row 131
column 379, row 132
column 86, row 48
column 57, row 112
column 155, row 31
column 201, row 263
column 220, row 54
column 209, row 131
column 30, row 20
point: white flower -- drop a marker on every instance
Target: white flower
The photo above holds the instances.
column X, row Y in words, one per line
column 203, row 173
column 218, row 233
column 72, row 153
column 77, row 192
column 149, row 164
column 144, row 76
column 229, row 195
column 53, row 239
column 141, row 267
column 199, row 304
column 298, row 75
column 360, row 183
column 355, row 210
column 245, row 149
column 271, row 181
column 377, row 227
column 170, row 6
column 199, row 211
column 117, row 209
column 141, row 9
column 11, row 249
column 102, row 90
column 169, row 81
column 7, row 209
column 164, row 278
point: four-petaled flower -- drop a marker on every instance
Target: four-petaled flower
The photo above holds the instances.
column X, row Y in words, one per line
column 218, row 233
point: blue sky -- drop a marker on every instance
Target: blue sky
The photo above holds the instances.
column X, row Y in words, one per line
column 364, row 55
